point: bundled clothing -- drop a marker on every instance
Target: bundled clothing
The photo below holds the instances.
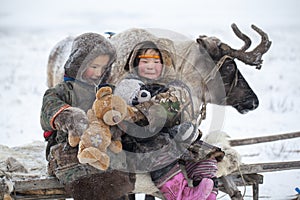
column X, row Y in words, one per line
column 75, row 91
column 64, row 109
column 160, row 153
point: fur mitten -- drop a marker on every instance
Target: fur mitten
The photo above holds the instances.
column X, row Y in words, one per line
column 74, row 121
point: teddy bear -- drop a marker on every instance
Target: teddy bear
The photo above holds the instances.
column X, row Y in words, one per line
column 107, row 110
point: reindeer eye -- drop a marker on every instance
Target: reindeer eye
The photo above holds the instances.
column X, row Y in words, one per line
column 230, row 68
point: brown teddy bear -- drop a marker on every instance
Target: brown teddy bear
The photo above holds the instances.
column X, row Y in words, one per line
column 107, row 110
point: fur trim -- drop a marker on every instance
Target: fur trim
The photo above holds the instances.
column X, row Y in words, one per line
column 87, row 47
column 232, row 158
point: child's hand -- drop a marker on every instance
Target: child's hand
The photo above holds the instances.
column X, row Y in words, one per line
column 74, row 121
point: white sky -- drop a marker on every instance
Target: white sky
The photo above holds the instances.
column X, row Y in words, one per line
column 118, row 15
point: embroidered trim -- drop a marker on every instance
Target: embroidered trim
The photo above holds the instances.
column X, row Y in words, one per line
column 149, row 56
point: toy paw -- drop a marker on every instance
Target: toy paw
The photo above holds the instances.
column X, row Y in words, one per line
column 94, row 157
column 7, row 197
column 115, row 146
column 73, row 140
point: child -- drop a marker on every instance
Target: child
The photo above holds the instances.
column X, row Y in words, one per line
column 87, row 67
column 147, row 64
column 63, row 113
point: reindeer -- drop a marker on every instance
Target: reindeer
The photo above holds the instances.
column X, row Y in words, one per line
column 207, row 67
column 238, row 92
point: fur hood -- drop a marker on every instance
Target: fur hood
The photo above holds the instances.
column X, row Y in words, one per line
column 85, row 48
column 129, row 41
column 167, row 60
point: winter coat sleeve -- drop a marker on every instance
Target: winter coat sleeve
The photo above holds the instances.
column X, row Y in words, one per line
column 55, row 100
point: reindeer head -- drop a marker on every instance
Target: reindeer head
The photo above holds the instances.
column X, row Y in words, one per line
column 238, row 92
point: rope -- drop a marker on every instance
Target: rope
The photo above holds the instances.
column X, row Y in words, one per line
column 243, row 180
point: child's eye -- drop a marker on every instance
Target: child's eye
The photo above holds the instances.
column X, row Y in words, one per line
column 144, row 61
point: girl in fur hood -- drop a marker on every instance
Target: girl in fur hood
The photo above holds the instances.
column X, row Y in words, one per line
column 154, row 66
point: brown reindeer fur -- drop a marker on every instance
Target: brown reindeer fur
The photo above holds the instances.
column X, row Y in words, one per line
column 105, row 186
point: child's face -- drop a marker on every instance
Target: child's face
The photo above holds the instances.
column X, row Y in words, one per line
column 95, row 69
column 149, row 65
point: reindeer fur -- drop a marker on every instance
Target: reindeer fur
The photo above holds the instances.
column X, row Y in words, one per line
column 231, row 160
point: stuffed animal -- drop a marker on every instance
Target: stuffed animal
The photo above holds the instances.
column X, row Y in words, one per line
column 107, row 110
column 133, row 91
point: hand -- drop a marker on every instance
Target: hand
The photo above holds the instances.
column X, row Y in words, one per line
column 74, row 121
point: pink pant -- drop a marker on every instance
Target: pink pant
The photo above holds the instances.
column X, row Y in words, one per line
column 177, row 189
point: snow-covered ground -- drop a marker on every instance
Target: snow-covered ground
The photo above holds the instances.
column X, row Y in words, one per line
column 30, row 28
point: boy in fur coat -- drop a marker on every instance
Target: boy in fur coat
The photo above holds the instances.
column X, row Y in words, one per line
column 63, row 112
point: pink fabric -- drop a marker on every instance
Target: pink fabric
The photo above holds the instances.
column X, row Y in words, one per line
column 205, row 188
column 212, row 196
column 177, row 189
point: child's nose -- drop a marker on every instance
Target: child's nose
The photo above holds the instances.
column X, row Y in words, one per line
column 150, row 65
column 98, row 72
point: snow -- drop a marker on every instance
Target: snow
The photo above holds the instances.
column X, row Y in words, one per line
column 30, row 28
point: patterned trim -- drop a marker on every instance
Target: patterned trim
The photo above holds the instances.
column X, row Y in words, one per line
column 55, row 115
column 149, row 56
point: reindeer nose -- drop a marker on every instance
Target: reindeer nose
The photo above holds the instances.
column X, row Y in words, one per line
column 255, row 103
column 248, row 105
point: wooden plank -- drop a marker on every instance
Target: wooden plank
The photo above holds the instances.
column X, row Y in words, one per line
column 50, row 188
column 231, row 188
column 270, row 138
column 268, row 167
column 53, row 183
column 35, row 197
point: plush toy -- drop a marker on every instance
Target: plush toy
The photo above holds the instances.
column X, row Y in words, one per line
column 107, row 110
column 133, row 91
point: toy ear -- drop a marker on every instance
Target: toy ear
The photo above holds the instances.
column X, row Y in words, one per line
column 103, row 92
column 144, row 95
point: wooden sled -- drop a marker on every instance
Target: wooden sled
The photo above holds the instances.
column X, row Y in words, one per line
column 29, row 187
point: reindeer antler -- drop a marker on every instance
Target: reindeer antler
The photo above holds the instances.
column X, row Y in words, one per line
column 253, row 57
column 217, row 49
